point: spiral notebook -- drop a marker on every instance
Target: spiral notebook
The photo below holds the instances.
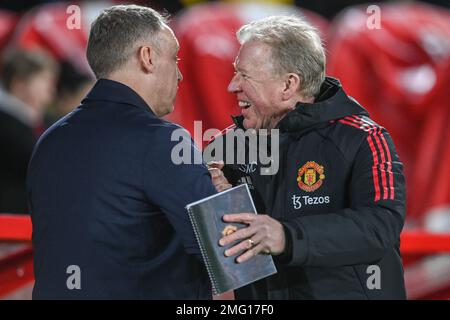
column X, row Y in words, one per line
column 206, row 218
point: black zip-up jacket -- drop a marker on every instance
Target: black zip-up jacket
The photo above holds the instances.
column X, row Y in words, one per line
column 340, row 195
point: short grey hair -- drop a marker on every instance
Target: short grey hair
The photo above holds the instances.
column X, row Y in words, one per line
column 115, row 32
column 296, row 47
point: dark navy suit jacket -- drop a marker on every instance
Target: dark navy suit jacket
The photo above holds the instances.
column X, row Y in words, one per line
column 106, row 197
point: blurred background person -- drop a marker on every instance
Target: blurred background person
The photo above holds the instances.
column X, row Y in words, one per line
column 28, row 81
column 72, row 87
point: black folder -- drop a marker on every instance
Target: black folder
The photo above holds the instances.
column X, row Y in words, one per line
column 206, row 218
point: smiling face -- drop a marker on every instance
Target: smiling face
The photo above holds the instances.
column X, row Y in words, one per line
column 259, row 89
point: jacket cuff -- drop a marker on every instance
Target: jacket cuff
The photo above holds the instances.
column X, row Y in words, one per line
column 295, row 252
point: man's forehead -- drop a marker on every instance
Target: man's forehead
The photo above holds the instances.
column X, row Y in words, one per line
column 251, row 54
column 168, row 35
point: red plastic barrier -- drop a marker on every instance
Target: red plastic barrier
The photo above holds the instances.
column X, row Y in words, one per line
column 16, row 270
column 15, row 227
column 420, row 242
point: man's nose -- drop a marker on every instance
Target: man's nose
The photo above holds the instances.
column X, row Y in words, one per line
column 179, row 75
column 234, row 85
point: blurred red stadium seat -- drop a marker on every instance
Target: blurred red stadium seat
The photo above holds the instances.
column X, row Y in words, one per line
column 8, row 21
column 45, row 27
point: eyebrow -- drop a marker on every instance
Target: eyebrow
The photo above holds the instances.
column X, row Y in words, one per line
column 240, row 68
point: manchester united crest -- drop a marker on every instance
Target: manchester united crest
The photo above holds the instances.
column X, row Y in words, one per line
column 310, row 176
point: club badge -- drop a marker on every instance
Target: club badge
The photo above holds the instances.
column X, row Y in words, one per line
column 310, row 176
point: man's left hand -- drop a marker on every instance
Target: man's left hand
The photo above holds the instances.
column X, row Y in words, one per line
column 262, row 235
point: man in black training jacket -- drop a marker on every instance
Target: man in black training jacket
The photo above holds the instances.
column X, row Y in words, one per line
column 333, row 208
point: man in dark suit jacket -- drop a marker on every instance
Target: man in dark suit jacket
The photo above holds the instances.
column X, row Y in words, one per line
column 107, row 200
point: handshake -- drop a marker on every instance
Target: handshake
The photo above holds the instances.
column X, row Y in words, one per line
column 263, row 234
column 218, row 179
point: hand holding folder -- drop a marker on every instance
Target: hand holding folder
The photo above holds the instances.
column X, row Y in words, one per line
column 206, row 217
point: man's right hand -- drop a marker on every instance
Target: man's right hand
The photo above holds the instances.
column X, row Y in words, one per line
column 218, row 179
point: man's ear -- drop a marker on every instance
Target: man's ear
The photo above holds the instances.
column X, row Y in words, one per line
column 291, row 85
column 146, row 57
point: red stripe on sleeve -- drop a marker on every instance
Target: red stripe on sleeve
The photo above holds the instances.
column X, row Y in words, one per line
column 353, row 124
column 374, row 168
column 389, row 168
column 376, row 135
column 383, row 171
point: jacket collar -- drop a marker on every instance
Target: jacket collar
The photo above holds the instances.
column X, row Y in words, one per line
column 331, row 103
column 116, row 92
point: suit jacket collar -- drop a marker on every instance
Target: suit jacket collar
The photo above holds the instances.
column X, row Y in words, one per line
column 116, row 92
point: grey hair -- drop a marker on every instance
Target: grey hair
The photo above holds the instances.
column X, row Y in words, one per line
column 296, row 47
column 115, row 32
